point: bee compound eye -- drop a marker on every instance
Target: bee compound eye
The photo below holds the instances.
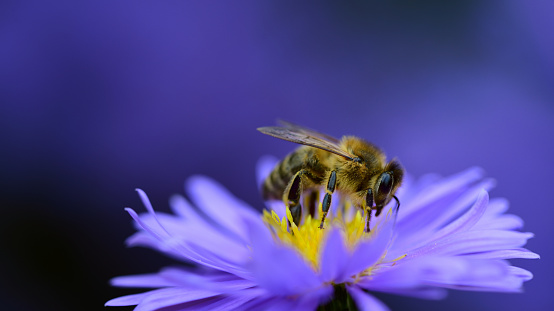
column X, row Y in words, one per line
column 384, row 187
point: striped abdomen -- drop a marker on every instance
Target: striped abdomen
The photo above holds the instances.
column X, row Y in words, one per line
column 302, row 158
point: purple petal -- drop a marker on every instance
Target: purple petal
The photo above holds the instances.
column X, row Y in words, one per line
column 504, row 254
column 333, row 257
column 416, row 230
column 181, row 207
column 207, row 279
column 438, row 190
column 463, row 202
column 181, row 231
column 278, row 269
column 235, row 301
column 155, row 231
column 407, row 279
column 467, row 220
column 505, row 222
column 496, row 207
column 150, row 209
column 265, row 165
column 369, row 252
column 476, row 275
column 167, row 297
column 220, row 205
column 143, row 281
column 521, row 273
column 479, row 241
column 311, row 300
column 194, row 253
column 278, row 207
column 222, row 304
column 263, row 303
column 365, row 301
column 404, row 275
column 426, row 292
column 129, row 300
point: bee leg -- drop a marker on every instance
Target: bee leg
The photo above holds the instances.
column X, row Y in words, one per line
column 311, row 201
column 292, row 197
column 397, row 203
column 369, row 206
column 331, row 183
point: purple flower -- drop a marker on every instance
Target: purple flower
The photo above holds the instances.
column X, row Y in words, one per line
column 447, row 235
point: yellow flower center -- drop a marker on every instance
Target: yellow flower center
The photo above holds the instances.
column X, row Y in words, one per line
column 308, row 239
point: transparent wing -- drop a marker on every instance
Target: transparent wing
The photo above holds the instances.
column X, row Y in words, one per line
column 307, row 131
column 300, row 135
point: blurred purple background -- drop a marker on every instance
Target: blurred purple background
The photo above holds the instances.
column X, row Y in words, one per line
column 99, row 98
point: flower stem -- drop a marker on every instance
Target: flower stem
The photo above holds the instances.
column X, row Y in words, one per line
column 342, row 301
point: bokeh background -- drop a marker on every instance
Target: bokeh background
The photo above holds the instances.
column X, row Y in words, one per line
column 100, row 97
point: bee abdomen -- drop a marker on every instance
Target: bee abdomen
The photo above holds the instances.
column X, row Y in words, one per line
column 275, row 184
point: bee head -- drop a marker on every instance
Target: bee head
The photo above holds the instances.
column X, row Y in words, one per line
column 385, row 186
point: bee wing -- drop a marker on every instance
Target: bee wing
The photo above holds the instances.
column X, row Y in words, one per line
column 299, row 135
column 307, row 131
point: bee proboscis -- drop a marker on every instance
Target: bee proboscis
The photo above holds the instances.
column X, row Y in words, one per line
column 350, row 166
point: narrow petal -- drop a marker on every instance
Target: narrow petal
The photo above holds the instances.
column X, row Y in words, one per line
column 282, row 272
column 264, row 167
column 425, row 292
column 220, row 205
column 438, row 190
column 149, row 208
column 404, row 275
column 365, row 301
column 156, row 232
column 207, row 279
column 235, row 301
column 475, row 275
column 480, row 241
column 333, row 257
column 521, row 273
column 421, row 228
column 466, row 221
column 473, row 241
column 182, row 207
column 368, row 253
column 142, row 281
column 278, row 269
column 504, row 254
column 129, row 300
column 171, row 296
column 311, row 300
column 277, row 206
column 506, row 222
column 465, row 203
column 496, row 207
column 181, row 231
column 173, row 245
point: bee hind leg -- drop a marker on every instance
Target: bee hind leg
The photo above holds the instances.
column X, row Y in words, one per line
column 292, row 197
column 311, row 201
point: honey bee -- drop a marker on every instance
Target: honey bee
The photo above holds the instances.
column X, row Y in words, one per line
column 350, row 166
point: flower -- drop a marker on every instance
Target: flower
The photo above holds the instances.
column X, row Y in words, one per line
column 446, row 235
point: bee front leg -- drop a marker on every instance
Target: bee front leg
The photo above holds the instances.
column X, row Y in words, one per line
column 331, row 183
column 291, row 197
column 369, row 205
